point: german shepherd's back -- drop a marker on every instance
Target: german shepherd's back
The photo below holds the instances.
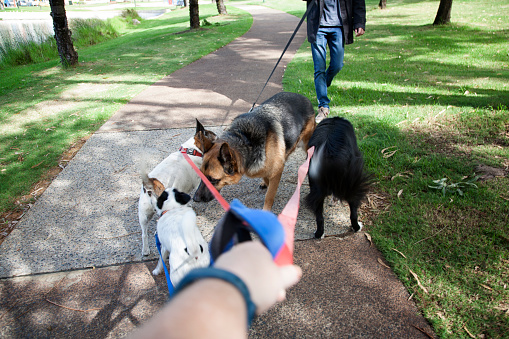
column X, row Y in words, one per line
column 283, row 116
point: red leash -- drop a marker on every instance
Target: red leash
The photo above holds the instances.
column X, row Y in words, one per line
column 212, row 189
column 287, row 218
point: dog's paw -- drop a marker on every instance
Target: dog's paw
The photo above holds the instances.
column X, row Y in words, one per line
column 319, row 235
column 157, row 271
column 145, row 251
column 358, row 228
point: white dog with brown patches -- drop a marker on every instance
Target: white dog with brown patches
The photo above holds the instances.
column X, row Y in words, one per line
column 182, row 243
column 172, row 172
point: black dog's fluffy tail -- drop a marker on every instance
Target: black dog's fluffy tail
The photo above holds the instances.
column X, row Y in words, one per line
column 337, row 166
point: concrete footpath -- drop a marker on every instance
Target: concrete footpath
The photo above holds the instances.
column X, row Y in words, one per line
column 73, row 265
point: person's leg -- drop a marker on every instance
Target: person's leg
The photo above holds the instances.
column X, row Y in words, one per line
column 337, row 52
column 319, row 52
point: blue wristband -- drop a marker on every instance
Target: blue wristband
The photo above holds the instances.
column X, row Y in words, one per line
column 217, row 273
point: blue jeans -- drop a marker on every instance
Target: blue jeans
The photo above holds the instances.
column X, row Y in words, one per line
column 332, row 36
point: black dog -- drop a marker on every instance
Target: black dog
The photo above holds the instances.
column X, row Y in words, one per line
column 336, row 168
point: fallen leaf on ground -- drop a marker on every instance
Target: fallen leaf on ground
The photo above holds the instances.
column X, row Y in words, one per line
column 382, row 263
column 418, row 281
column 368, row 236
column 399, row 253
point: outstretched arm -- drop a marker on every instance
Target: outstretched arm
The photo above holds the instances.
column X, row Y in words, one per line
column 213, row 308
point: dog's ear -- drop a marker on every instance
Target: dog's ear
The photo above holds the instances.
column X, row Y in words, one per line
column 157, row 186
column 227, row 159
column 162, row 198
column 181, row 198
column 203, row 139
column 199, row 127
column 152, row 185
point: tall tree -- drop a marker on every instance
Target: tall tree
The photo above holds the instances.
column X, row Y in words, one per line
column 194, row 14
column 68, row 55
column 382, row 4
column 221, row 8
column 444, row 13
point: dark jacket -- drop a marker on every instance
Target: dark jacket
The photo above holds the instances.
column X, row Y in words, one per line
column 353, row 15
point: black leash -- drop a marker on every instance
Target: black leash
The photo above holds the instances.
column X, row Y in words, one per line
column 281, row 57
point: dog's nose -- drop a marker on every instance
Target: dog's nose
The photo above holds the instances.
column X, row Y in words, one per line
column 202, row 194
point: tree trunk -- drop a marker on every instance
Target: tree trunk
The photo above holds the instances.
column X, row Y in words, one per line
column 221, row 8
column 382, row 4
column 194, row 14
column 68, row 55
column 444, row 13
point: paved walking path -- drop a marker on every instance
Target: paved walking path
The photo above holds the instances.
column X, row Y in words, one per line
column 73, row 266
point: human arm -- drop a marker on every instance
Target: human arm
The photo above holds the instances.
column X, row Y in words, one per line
column 213, row 308
column 359, row 17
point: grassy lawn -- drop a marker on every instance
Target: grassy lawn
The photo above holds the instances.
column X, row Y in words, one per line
column 45, row 109
column 431, row 103
column 427, row 102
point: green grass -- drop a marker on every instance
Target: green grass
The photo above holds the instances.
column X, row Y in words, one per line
column 44, row 108
column 439, row 97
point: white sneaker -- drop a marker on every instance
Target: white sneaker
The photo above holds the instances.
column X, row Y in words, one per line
column 323, row 112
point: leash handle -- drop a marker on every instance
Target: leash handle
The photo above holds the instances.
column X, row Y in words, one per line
column 284, row 50
column 206, row 181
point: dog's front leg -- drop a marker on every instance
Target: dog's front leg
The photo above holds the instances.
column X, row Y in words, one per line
column 271, row 191
column 145, row 213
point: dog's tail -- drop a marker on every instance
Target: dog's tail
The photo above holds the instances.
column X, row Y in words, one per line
column 331, row 174
column 144, row 176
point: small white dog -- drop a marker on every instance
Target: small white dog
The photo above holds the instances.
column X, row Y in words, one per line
column 172, row 172
column 182, row 243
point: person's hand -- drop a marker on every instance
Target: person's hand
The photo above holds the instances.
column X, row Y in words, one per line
column 359, row 31
column 267, row 283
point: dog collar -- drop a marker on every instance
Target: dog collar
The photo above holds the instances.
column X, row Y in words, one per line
column 163, row 213
column 191, row 151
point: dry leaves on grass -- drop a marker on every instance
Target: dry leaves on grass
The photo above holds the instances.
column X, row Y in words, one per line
column 418, row 281
column 399, row 253
column 388, row 152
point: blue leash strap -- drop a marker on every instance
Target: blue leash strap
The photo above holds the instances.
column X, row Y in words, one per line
column 171, row 289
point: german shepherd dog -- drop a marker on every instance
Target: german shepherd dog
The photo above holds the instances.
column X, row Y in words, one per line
column 257, row 144
column 336, row 168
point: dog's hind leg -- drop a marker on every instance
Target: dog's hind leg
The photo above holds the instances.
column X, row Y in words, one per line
column 315, row 200
column 162, row 259
column 264, row 184
column 145, row 213
column 271, row 191
column 354, row 206
column 319, row 219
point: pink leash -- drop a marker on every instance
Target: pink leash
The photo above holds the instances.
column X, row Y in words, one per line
column 287, row 218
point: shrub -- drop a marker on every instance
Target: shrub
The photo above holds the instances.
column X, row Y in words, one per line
column 30, row 49
column 20, row 51
column 87, row 32
column 129, row 14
